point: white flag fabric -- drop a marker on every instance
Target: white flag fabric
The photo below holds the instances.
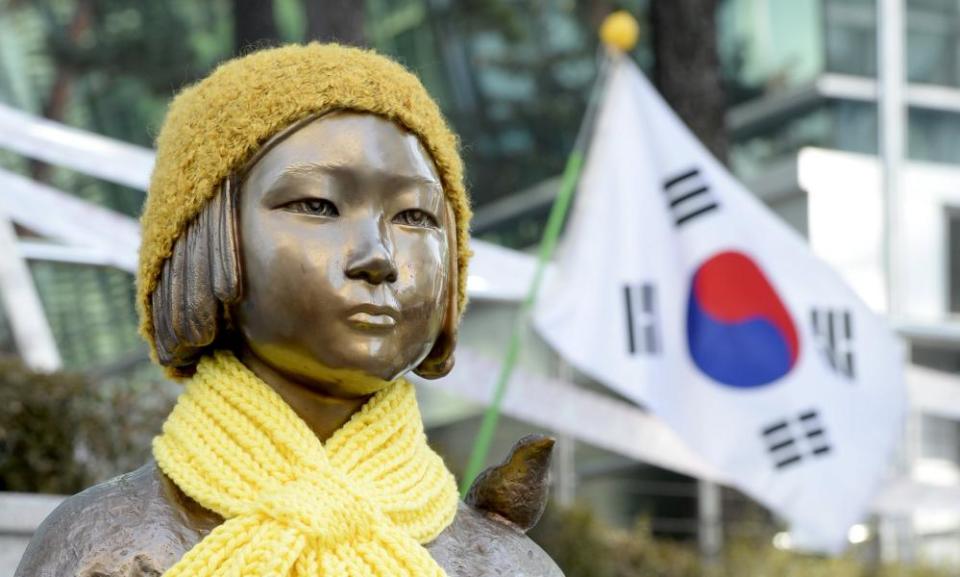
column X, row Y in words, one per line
column 678, row 289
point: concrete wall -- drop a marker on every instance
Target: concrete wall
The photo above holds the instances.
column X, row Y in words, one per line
column 20, row 515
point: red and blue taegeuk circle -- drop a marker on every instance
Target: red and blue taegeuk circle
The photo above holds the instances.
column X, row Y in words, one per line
column 738, row 331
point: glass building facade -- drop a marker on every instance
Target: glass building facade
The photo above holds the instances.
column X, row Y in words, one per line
column 788, row 52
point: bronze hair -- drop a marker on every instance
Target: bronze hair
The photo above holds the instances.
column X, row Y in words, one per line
column 440, row 360
column 198, row 284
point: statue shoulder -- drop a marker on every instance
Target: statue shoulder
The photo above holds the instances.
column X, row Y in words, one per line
column 488, row 535
column 478, row 544
column 130, row 525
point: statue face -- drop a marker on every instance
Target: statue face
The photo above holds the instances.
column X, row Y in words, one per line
column 345, row 255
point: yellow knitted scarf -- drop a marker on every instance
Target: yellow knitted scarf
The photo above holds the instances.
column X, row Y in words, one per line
column 360, row 505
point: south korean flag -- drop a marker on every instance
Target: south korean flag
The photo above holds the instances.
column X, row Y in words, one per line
column 678, row 289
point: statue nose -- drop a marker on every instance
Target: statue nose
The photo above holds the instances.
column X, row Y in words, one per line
column 372, row 260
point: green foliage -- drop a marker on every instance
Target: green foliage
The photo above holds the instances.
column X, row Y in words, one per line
column 37, row 421
column 585, row 547
column 109, row 66
column 60, row 432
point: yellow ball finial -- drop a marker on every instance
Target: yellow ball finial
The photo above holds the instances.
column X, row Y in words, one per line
column 620, row 31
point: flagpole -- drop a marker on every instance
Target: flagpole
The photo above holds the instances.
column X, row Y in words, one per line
column 709, row 523
column 891, row 79
column 619, row 34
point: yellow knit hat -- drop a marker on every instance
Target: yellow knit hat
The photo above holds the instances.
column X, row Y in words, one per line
column 216, row 125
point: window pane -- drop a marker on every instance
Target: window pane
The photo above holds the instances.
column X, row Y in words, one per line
column 939, row 439
column 934, row 136
column 932, row 41
column 843, row 125
column 851, row 37
column 769, row 45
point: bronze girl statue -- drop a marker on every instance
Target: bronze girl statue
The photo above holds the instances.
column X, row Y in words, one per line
column 305, row 244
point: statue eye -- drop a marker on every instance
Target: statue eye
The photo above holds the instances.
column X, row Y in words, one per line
column 313, row 206
column 416, row 217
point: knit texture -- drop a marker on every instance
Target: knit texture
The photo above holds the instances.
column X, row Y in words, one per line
column 213, row 127
column 360, row 505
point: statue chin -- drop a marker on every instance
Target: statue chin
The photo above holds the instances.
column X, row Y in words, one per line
column 359, row 380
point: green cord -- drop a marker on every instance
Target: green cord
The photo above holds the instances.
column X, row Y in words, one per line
column 548, row 243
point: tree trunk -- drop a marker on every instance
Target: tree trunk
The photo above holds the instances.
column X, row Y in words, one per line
column 253, row 25
column 55, row 107
column 687, row 67
column 56, row 104
column 335, row 21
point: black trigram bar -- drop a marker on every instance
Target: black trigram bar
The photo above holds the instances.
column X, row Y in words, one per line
column 781, row 445
column 640, row 308
column 816, row 435
column 688, row 196
column 785, row 448
column 833, row 330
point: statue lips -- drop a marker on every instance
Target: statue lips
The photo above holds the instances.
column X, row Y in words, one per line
column 371, row 316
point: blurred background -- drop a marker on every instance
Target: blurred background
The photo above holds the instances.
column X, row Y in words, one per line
column 785, row 92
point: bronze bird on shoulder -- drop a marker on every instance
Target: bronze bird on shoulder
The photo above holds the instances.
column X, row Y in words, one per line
column 516, row 489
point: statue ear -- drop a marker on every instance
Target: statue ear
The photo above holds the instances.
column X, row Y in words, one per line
column 440, row 360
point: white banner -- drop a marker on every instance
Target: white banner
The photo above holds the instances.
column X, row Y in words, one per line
column 678, row 289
